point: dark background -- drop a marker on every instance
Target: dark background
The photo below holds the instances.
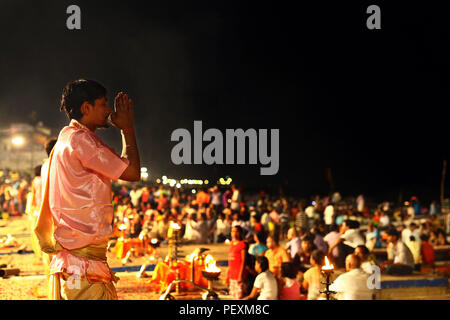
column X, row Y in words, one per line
column 369, row 104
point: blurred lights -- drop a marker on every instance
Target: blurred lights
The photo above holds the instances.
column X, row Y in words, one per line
column 18, row 141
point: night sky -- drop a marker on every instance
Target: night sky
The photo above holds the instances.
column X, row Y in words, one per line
column 369, row 104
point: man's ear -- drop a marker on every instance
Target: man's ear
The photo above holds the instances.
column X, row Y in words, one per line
column 85, row 108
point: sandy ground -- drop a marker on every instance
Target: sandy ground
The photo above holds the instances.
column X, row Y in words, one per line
column 32, row 284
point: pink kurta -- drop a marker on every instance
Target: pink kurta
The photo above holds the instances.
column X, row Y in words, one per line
column 80, row 197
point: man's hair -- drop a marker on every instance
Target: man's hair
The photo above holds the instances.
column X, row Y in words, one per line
column 288, row 270
column 49, row 144
column 37, row 171
column 393, row 232
column 364, row 249
column 318, row 257
column 261, row 235
column 352, row 224
column 263, row 263
column 240, row 231
column 78, row 91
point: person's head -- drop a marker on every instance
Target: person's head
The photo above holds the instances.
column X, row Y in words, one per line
column 261, row 264
column 352, row 262
column 37, row 171
column 49, row 144
column 350, row 224
column 271, row 242
column 292, row 233
column 85, row 101
column 259, row 237
column 288, row 270
column 393, row 235
column 237, row 233
column 317, row 258
column 412, row 226
column 362, row 252
column 307, row 244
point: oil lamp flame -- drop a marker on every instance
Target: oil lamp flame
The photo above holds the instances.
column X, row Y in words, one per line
column 122, row 227
column 154, row 241
column 328, row 266
column 210, row 264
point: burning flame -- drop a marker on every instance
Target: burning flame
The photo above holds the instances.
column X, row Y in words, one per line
column 122, row 227
column 154, row 241
column 328, row 265
column 210, row 264
column 192, row 256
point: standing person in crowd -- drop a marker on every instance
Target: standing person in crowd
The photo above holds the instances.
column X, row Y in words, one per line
column 135, row 195
column 301, row 220
column 290, row 288
column 222, row 229
column 265, row 286
column 216, row 201
column 352, row 285
column 312, row 277
column 284, row 224
column 384, row 221
column 276, row 255
column 235, row 198
column 328, row 216
column 400, row 259
column 236, row 275
column 79, row 164
column 294, row 244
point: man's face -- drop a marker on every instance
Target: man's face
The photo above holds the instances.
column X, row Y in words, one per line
column 100, row 112
column 359, row 253
column 270, row 243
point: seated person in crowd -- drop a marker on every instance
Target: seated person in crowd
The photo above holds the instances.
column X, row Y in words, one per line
column 290, row 288
column 313, row 276
column 276, row 256
column 258, row 248
column 352, row 285
column 265, row 286
column 400, row 259
column 363, row 254
column 350, row 239
column 303, row 257
column 294, row 244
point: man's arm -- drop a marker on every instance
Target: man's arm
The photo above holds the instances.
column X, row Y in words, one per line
column 123, row 119
column 255, row 293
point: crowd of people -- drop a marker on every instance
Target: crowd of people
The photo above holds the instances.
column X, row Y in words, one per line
column 277, row 245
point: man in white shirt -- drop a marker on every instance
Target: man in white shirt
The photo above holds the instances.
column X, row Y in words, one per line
column 410, row 231
column 266, row 285
column 400, row 259
column 352, row 285
column 349, row 240
column 135, row 195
